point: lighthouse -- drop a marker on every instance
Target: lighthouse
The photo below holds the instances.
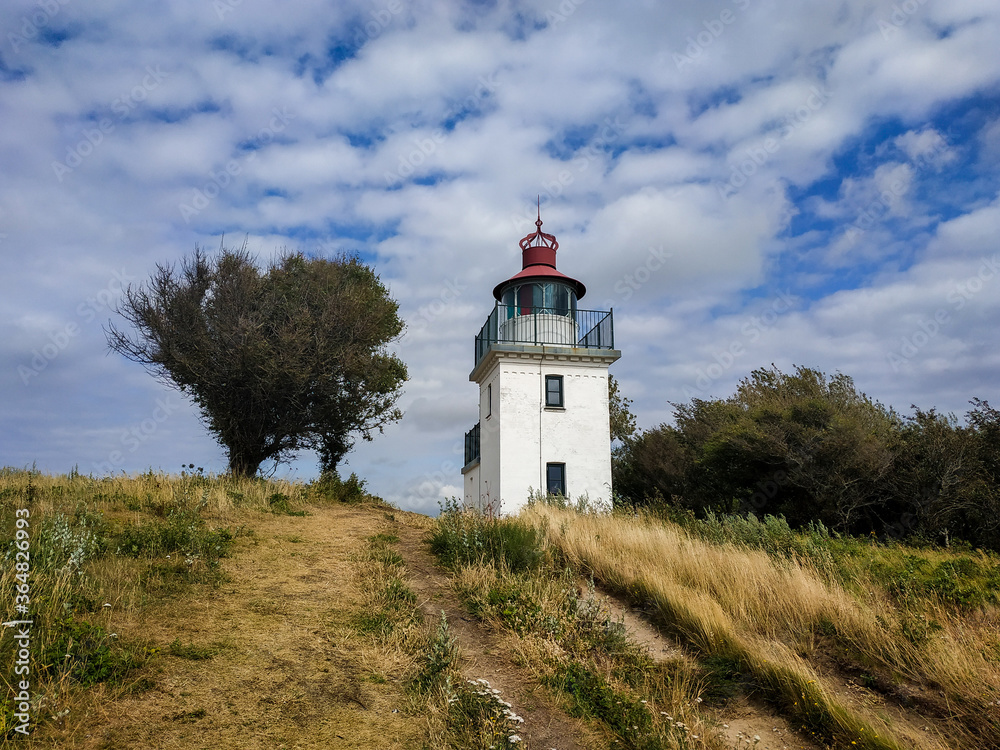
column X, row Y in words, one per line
column 541, row 364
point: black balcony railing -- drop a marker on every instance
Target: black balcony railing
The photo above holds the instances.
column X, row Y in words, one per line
column 514, row 324
column 472, row 445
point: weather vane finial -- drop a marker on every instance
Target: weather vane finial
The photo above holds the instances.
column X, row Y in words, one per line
column 539, row 238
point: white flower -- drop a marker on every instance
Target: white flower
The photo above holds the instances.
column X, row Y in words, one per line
column 514, row 739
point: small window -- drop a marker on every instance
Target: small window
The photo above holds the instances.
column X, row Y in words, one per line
column 555, row 479
column 489, row 400
column 554, row 390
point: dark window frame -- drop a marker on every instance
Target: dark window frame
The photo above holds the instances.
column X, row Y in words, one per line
column 560, row 392
column 560, row 479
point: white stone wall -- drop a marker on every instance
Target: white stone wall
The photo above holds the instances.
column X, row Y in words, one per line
column 522, row 435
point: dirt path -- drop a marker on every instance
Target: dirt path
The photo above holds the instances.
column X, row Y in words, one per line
column 741, row 720
column 287, row 673
column 485, row 656
column 545, row 725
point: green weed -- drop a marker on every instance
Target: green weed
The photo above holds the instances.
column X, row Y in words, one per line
column 462, row 537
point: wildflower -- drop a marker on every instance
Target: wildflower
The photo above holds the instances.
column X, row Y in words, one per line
column 514, row 739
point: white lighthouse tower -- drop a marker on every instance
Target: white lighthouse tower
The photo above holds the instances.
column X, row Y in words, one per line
column 541, row 364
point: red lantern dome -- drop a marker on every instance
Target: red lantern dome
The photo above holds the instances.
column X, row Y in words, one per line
column 538, row 265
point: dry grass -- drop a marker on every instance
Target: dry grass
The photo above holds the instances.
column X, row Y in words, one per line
column 741, row 603
column 264, row 647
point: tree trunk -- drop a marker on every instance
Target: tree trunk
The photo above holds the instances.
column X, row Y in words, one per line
column 244, row 463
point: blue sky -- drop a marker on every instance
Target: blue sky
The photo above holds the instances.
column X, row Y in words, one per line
column 744, row 182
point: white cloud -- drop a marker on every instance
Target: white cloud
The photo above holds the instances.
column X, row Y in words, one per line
column 652, row 176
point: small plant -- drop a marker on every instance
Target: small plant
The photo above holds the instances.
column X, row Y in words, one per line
column 440, row 658
column 479, row 717
column 331, row 488
column 593, row 696
column 191, row 651
column 279, row 503
column 88, row 654
column 467, row 536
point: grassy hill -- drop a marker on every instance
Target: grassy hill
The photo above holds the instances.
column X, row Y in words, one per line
column 194, row 612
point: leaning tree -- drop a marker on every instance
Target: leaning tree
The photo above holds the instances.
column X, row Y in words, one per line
column 278, row 359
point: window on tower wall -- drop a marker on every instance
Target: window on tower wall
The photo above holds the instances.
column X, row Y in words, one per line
column 555, row 479
column 554, row 390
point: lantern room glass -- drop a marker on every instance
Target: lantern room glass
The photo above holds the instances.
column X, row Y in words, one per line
column 543, row 297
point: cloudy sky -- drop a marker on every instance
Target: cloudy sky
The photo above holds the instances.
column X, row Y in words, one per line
column 745, row 182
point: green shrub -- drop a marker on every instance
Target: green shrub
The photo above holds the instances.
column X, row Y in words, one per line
column 183, row 532
column 279, row 503
column 331, row 488
column 88, row 653
column 442, row 650
column 477, row 717
column 592, row 696
column 463, row 537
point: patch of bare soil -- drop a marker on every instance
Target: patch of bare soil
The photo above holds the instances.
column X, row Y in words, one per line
column 485, row 656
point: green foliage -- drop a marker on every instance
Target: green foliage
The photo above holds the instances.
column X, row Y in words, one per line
column 723, row 678
column 592, row 696
column 477, row 717
column 812, row 448
column 961, row 580
column 88, row 653
column 390, row 603
column 68, row 541
column 464, row 536
column 281, row 359
column 191, row 651
column 622, row 419
column 442, row 651
column 281, row 506
column 184, row 532
column 331, row 488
